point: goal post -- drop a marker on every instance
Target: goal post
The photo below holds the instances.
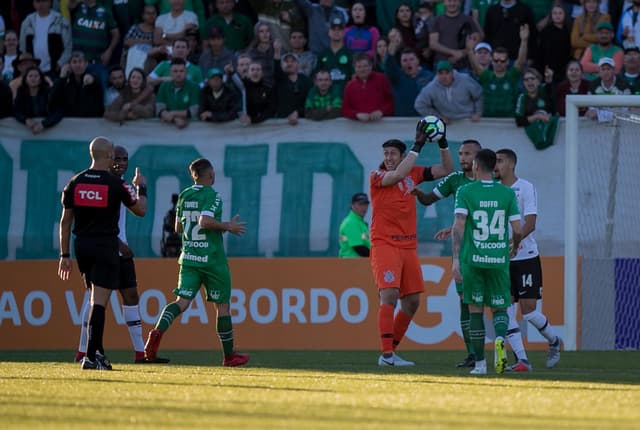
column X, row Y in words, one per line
column 572, row 140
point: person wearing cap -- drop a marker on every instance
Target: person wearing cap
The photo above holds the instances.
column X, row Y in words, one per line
column 394, row 256
column 449, row 34
column 320, row 16
column 583, row 30
column 219, row 102
column 482, row 54
column 238, row 29
column 20, row 65
column 178, row 99
column 451, row 95
column 604, row 48
column 607, row 83
column 353, row 234
column 215, row 53
column 500, row 83
column 631, row 73
column 51, row 42
column 78, row 92
column 291, row 86
column 337, row 59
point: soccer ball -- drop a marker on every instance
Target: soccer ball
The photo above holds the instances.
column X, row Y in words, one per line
column 430, row 123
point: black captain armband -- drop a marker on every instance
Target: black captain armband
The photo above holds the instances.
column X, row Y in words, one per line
column 142, row 190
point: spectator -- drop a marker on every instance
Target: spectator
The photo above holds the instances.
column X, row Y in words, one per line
column 606, row 83
column 219, row 102
column 260, row 103
column 77, row 92
column 604, row 48
column 404, row 24
column 291, row 88
column 238, row 29
column 162, row 72
column 14, row 12
column 281, row 15
column 6, row 100
column 171, row 241
column 353, row 234
column 631, row 73
column 307, row 59
column 178, row 99
column 138, row 42
column 555, row 43
column 387, row 11
column 407, row 79
column 215, row 55
column 629, row 27
column 31, row 105
column 500, row 84
column 20, row 66
column 367, row 97
column 323, row 101
column 174, row 24
column 337, row 58
column 95, row 33
column 116, row 86
column 195, row 47
column 382, row 47
column 360, row 37
column 195, row 6
column 481, row 61
column 449, row 34
column 573, row 84
column 502, row 27
column 583, row 31
column 424, row 19
column 238, row 75
column 135, row 101
column 261, row 49
column 11, row 52
column 319, row 18
column 479, row 10
column 451, row 95
column 46, row 35
column 534, row 111
column 125, row 12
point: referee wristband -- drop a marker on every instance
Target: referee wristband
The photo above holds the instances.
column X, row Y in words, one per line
column 65, row 255
column 142, row 191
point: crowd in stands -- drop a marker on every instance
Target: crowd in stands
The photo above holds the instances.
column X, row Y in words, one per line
column 252, row 60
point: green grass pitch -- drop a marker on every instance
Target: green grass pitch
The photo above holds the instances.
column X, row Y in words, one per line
column 317, row 390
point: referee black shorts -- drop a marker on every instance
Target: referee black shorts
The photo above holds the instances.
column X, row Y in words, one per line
column 127, row 274
column 98, row 261
column 526, row 278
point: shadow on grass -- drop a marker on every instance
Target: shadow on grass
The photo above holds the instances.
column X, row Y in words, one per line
column 614, row 367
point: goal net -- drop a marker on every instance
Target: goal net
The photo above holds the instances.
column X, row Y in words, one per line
column 602, row 224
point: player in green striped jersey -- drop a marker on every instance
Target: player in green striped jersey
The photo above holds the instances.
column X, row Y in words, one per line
column 445, row 188
column 481, row 251
column 202, row 260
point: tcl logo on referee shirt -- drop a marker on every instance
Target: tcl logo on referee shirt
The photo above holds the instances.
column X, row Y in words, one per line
column 93, row 195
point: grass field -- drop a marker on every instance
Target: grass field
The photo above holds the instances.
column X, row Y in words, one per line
column 317, row 390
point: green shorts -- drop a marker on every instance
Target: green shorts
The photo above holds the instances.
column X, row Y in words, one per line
column 215, row 278
column 459, row 289
column 486, row 287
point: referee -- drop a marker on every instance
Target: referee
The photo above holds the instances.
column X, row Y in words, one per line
column 91, row 201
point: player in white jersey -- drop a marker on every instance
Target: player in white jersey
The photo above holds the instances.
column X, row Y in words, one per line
column 525, row 267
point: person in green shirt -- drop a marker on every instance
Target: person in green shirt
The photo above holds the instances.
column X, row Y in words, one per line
column 500, row 84
column 445, row 188
column 354, row 231
column 482, row 249
column 179, row 50
column 324, row 101
column 202, row 261
column 178, row 99
column 238, row 29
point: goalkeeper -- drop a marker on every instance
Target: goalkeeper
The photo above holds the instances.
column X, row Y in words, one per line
column 394, row 257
